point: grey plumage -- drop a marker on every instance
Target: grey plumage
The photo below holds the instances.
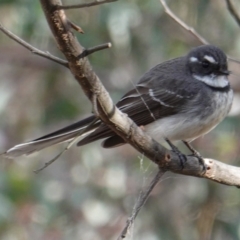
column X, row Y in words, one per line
column 180, row 99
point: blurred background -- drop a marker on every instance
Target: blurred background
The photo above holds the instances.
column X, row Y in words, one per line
column 89, row 192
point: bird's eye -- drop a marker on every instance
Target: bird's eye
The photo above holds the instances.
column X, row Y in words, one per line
column 205, row 64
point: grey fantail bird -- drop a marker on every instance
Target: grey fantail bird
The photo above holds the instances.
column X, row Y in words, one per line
column 180, row 99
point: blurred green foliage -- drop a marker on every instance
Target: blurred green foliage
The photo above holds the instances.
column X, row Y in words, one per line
column 90, row 191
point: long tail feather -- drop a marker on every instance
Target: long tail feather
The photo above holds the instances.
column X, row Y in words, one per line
column 62, row 135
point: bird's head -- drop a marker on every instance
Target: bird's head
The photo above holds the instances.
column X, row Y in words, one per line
column 208, row 64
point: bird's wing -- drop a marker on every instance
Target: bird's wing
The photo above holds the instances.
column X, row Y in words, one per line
column 145, row 104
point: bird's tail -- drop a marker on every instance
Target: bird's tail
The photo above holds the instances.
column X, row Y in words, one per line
column 65, row 134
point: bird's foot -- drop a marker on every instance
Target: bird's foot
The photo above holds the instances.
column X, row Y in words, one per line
column 182, row 157
column 196, row 154
column 200, row 159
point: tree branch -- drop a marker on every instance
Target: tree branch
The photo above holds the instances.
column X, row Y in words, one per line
column 233, row 11
column 89, row 51
column 140, row 203
column 183, row 24
column 119, row 122
column 83, row 5
column 75, row 27
column 33, row 49
column 200, row 38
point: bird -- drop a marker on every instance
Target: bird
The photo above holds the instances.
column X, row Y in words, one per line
column 179, row 99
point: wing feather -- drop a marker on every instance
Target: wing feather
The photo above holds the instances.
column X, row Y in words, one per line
column 145, row 104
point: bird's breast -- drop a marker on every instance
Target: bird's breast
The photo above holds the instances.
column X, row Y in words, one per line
column 195, row 122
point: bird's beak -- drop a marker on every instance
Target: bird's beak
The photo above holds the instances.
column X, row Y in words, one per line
column 224, row 72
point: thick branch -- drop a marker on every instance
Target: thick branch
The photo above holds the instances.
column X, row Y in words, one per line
column 91, row 84
column 115, row 119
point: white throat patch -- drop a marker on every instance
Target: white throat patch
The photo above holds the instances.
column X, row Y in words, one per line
column 213, row 80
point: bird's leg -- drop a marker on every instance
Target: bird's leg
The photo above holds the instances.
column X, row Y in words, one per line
column 195, row 154
column 181, row 156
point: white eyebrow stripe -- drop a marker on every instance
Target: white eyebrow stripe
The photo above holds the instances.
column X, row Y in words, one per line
column 210, row 59
column 193, row 59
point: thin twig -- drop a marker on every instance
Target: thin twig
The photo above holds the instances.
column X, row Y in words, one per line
column 70, row 144
column 89, row 51
column 233, row 59
column 233, row 11
column 188, row 28
column 140, row 203
column 33, row 49
column 75, row 27
column 84, row 5
column 49, row 162
column 183, row 24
